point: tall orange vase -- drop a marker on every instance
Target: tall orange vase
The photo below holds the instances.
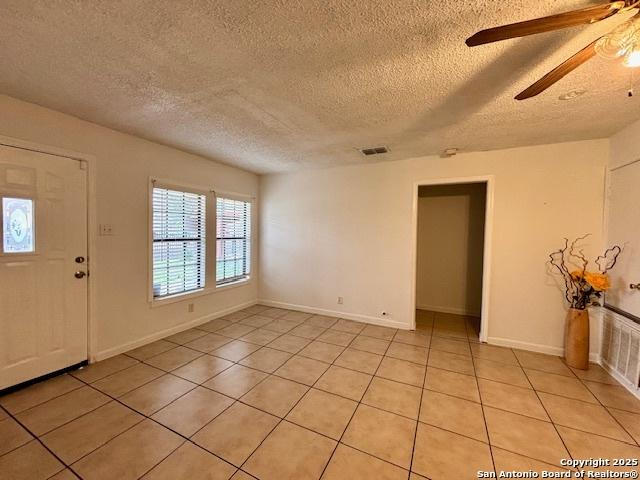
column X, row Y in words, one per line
column 576, row 339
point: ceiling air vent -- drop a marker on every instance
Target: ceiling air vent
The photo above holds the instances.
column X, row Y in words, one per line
column 374, row 150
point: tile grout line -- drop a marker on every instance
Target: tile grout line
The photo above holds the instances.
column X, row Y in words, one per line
column 187, row 439
column 519, row 365
column 484, row 416
column 317, row 338
column 144, row 417
column 268, row 374
column 195, row 383
column 42, row 403
column 344, row 348
column 325, row 329
column 238, row 400
column 424, row 381
column 312, row 430
column 539, row 390
column 501, row 409
column 555, row 427
column 69, row 421
column 17, row 421
column 527, row 416
column 234, row 399
column 210, row 353
column 281, row 419
column 85, row 384
column 121, row 403
column 582, row 382
column 585, row 385
column 37, row 439
column 359, row 402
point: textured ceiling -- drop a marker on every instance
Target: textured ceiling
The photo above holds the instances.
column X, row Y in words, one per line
column 280, row 85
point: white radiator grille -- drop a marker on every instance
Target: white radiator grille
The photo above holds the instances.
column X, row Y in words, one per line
column 621, row 346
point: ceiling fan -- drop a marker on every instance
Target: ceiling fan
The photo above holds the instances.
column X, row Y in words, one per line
column 623, row 41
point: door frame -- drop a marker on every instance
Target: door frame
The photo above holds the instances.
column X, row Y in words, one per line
column 89, row 162
column 489, row 181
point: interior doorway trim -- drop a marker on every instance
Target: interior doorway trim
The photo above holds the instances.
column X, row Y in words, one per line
column 89, row 162
column 489, row 180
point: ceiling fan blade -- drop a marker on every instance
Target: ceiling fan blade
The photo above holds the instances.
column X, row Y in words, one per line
column 559, row 72
column 546, row 24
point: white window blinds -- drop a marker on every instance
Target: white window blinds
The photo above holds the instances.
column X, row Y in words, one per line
column 179, row 242
column 233, row 240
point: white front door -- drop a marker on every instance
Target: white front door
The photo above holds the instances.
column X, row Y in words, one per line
column 43, row 252
column 624, row 230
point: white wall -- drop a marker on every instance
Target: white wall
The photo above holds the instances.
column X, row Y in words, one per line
column 335, row 232
column 450, row 248
column 623, row 217
column 625, row 146
column 348, row 232
column 124, row 163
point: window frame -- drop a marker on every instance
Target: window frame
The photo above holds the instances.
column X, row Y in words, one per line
column 251, row 201
column 211, row 195
column 35, row 219
column 209, row 249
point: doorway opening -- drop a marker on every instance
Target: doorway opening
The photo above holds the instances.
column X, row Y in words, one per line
column 452, row 221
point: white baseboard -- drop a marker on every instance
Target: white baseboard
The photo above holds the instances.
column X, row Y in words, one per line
column 111, row 352
column 334, row 313
column 535, row 347
column 453, row 310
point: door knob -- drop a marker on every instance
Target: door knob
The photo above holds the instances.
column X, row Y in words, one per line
column 79, row 259
column 635, row 286
column 80, row 274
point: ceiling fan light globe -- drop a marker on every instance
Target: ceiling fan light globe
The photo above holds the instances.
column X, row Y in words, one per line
column 614, row 46
column 619, row 41
column 632, row 59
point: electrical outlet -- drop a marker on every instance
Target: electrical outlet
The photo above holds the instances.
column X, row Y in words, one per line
column 106, row 229
column 190, row 308
column 340, row 300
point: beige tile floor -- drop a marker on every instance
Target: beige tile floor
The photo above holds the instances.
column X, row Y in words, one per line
column 274, row 394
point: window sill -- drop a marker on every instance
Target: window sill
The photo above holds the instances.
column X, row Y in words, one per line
column 236, row 284
column 181, row 297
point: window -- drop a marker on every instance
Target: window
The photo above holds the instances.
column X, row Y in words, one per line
column 17, row 225
column 179, row 241
column 233, row 240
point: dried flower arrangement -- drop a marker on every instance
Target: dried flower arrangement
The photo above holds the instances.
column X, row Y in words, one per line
column 583, row 288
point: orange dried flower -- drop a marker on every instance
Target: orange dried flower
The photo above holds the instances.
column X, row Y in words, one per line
column 599, row 281
column 576, row 275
